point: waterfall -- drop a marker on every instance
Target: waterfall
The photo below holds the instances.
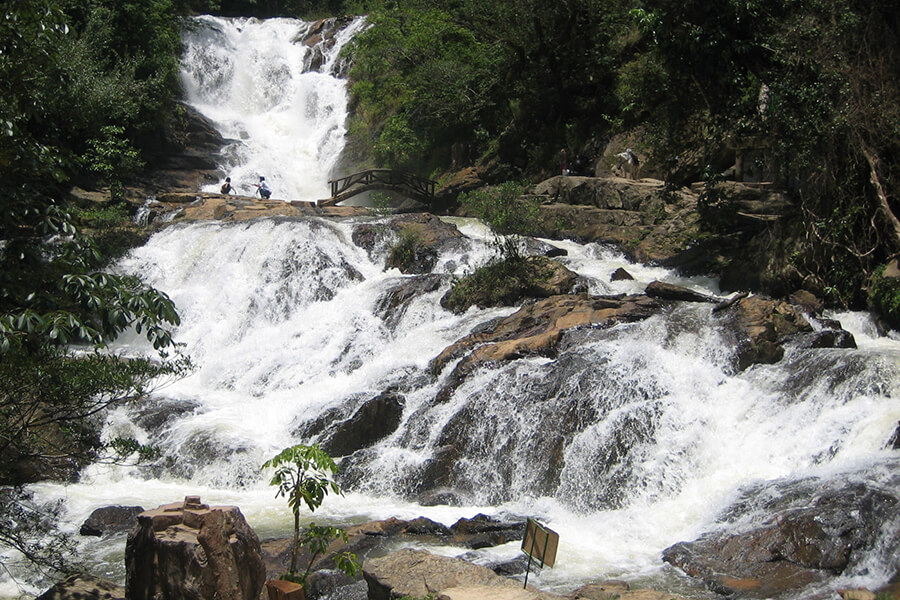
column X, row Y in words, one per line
column 633, row 438
column 655, row 433
column 275, row 94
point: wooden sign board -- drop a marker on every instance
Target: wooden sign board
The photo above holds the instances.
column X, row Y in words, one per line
column 540, row 543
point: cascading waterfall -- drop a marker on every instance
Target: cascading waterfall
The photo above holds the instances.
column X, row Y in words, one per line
column 634, row 438
column 280, row 101
column 654, row 432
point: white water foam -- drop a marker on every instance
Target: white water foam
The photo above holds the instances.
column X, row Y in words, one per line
column 285, row 121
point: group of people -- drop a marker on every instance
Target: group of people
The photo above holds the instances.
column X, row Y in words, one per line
column 262, row 187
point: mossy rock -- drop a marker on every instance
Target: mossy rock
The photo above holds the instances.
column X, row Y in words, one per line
column 884, row 293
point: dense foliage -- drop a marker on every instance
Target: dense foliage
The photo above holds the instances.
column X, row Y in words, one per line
column 807, row 90
column 85, row 87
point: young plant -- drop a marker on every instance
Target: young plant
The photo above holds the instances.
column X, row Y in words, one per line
column 303, row 474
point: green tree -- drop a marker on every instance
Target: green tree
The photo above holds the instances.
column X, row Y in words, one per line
column 303, row 474
column 421, row 82
column 812, row 83
column 59, row 309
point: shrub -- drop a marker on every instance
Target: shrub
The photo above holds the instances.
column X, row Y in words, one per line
column 884, row 295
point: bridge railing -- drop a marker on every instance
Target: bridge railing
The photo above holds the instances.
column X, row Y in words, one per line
column 389, row 178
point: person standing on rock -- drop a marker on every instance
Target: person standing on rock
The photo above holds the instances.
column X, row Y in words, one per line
column 227, row 187
column 264, row 191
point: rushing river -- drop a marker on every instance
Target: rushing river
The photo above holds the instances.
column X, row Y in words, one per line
column 284, row 322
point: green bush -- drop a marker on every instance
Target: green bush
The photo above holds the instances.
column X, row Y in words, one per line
column 410, row 255
column 884, row 295
column 501, row 282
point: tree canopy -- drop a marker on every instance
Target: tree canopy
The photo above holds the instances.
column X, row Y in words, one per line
column 80, row 83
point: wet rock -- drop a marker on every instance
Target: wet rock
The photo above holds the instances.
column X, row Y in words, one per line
column 393, row 303
column 366, row 236
column 510, row 568
column 324, row 582
column 439, row 497
column 668, row 291
column 621, row 274
column 536, row 329
column 189, row 550
column 153, row 414
column 373, row 421
column 82, row 586
column 761, row 326
column 827, row 338
column 110, row 519
column 482, row 531
column 810, row 535
column 424, row 526
column 553, row 278
column 894, row 441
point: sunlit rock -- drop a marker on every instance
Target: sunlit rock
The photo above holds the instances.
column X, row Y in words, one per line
column 189, row 550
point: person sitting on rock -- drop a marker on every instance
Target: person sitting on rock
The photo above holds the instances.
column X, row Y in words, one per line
column 227, row 187
column 264, row 191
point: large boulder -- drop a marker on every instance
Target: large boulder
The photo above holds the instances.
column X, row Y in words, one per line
column 483, row 531
column 813, row 532
column 419, row 573
column 110, row 519
column 761, row 326
column 536, row 329
column 191, row 551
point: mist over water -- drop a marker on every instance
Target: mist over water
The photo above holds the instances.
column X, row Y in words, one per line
column 652, row 433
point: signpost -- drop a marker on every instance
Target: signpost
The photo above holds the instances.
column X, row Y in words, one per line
column 539, row 543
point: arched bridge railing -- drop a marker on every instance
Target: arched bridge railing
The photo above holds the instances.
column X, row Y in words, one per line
column 407, row 184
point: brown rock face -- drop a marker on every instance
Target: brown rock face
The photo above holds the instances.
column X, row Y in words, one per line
column 191, row 551
column 535, row 329
column 762, row 325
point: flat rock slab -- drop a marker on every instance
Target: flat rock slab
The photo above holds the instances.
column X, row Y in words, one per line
column 419, row 573
column 486, row 592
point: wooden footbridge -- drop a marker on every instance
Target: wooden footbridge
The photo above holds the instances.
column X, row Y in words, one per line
column 407, row 184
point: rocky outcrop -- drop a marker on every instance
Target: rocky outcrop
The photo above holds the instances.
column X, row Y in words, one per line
column 536, row 329
column 761, row 326
column 668, row 291
column 642, row 217
column 319, row 38
column 419, row 573
column 394, row 302
column 191, row 551
column 186, row 206
column 110, row 519
column 82, row 586
column 483, row 531
column 811, row 535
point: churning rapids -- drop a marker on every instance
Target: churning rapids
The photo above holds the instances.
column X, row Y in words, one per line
column 653, row 433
